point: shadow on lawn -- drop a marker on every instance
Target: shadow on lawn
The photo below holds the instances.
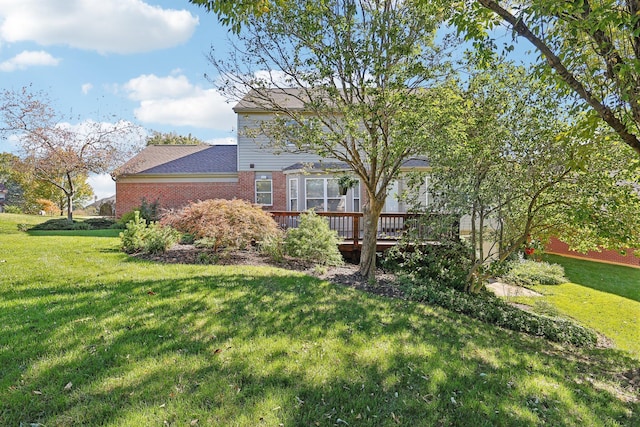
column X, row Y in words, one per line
column 251, row 349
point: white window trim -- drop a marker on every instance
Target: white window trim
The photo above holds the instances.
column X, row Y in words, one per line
column 356, row 195
column 325, row 201
column 264, row 192
column 293, row 182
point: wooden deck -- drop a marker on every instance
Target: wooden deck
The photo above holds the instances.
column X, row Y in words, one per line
column 349, row 226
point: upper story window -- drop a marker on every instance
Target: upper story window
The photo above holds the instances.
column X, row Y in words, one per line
column 264, row 191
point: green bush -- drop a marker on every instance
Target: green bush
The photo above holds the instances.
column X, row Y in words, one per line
column 443, row 263
column 313, row 241
column 273, row 247
column 134, row 234
column 530, row 273
column 11, row 209
column 218, row 223
column 153, row 238
column 148, row 211
column 158, row 239
column 100, row 223
column 491, row 309
column 57, row 224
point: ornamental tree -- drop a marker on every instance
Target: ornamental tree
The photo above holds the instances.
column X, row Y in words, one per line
column 363, row 83
column 56, row 152
column 530, row 169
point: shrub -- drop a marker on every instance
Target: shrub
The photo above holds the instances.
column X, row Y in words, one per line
column 529, row 273
column 12, row 209
column 273, row 247
column 158, row 239
column 491, row 309
column 57, row 224
column 446, row 263
column 81, row 226
column 232, row 224
column 100, row 223
column 147, row 211
column 134, row 234
column 313, row 241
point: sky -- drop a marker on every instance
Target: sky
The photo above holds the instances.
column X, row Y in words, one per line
column 139, row 60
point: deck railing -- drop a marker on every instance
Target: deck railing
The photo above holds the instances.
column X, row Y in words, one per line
column 349, row 225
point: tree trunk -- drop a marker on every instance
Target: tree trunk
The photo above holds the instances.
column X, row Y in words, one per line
column 371, row 215
column 70, row 207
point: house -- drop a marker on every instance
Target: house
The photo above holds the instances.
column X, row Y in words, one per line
column 174, row 175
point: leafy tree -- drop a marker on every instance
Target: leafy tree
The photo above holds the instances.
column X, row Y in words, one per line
column 592, row 47
column 528, row 169
column 348, row 80
column 11, row 178
column 172, row 138
column 56, row 152
column 234, row 14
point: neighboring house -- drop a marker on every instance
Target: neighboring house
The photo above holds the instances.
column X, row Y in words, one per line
column 174, row 175
column 3, row 196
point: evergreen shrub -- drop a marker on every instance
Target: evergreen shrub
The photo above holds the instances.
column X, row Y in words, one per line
column 313, row 241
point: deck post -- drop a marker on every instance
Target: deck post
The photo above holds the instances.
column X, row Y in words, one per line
column 356, row 230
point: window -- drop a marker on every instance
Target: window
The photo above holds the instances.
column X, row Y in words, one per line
column 322, row 194
column 392, row 204
column 356, row 197
column 264, row 194
column 293, row 194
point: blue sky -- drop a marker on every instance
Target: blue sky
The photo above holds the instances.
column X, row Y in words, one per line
column 137, row 60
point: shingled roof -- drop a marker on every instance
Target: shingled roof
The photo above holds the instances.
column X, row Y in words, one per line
column 337, row 166
column 182, row 159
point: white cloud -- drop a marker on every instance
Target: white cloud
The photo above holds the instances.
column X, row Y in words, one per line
column 223, row 141
column 118, row 26
column 103, row 186
column 173, row 100
column 27, row 59
column 86, row 88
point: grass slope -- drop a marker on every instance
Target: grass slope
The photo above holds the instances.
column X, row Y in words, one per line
column 602, row 296
column 92, row 337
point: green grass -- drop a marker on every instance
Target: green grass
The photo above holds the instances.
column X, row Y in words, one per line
column 92, row 337
column 602, row 296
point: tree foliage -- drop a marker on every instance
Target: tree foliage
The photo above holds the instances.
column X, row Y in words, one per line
column 234, row 14
column 361, row 82
column 218, row 223
column 172, row 138
column 591, row 47
column 529, row 169
column 56, row 152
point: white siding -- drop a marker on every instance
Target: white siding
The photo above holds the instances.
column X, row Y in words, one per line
column 255, row 149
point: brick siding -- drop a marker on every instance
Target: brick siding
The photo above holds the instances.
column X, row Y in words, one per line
column 558, row 247
column 129, row 195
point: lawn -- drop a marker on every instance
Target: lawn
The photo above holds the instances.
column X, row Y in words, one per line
column 92, row 337
column 602, row 296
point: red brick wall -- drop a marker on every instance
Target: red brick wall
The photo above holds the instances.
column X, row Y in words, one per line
column 558, row 247
column 170, row 195
column 279, row 186
column 129, row 195
column 246, row 186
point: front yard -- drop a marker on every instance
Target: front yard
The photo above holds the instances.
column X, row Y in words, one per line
column 91, row 336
